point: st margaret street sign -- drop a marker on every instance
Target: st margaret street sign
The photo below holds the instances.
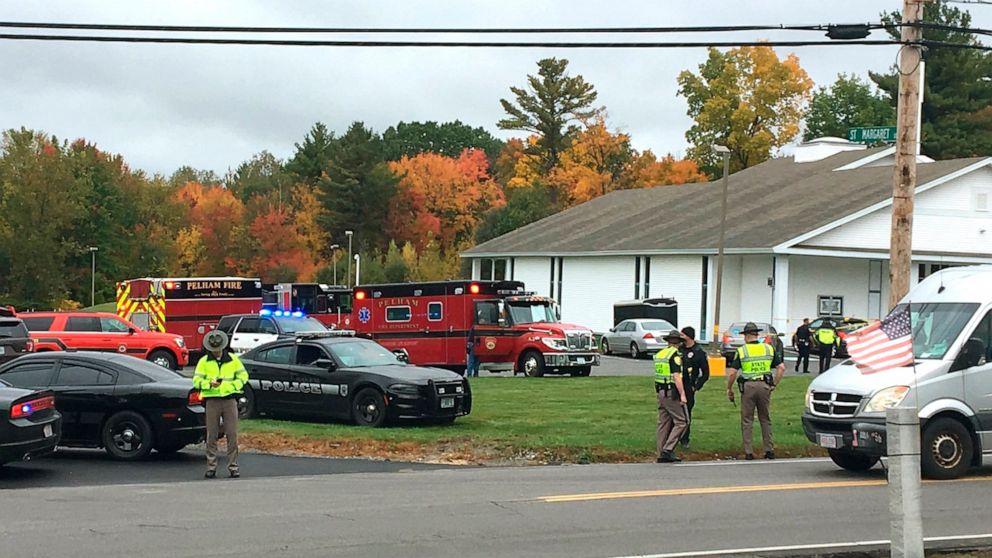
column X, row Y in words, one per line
column 877, row 134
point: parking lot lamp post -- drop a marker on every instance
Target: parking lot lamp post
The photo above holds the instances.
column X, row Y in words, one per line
column 349, row 235
column 93, row 250
column 334, row 261
column 725, row 153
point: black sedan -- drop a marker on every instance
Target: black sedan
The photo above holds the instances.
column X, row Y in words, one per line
column 123, row 404
column 29, row 424
column 327, row 376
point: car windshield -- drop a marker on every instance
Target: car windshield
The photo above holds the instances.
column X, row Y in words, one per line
column 12, row 328
column 362, row 353
column 936, row 326
column 531, row 312
column 148, row 369
column 300, row 325
column 660, row 325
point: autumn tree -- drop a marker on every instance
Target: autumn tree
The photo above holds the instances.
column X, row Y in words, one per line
column 216, row 216
column 441, row 198
column 524, row 206
column 186, row 173
column 551, row 106
column 848, row 103
column 449, row 139
column 745, row 99
column 356, row 188
column 261, row 175
column 956, row 120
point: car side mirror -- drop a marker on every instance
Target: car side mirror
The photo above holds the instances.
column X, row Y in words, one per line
column 131, row 331
column 613, row 330
column 502, row 322
column 325, row 363
column 402, row 356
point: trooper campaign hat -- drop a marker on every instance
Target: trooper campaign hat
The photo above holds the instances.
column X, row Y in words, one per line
column 216, row 340
column 751, row 327
column 673, row 335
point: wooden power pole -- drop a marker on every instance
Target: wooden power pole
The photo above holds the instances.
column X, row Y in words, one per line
column 907, row 137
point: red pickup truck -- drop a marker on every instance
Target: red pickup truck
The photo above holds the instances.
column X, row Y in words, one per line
column 103, row 332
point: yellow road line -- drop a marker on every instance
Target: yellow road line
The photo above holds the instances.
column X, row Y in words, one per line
column 728, row 490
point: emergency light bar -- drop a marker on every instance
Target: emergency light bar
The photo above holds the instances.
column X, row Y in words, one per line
column 281, row 313
column 305, row 335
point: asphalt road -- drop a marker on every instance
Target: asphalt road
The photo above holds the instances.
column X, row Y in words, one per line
column 566, row 511
column 72, row 467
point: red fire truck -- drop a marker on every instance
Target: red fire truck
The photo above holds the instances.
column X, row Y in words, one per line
column 514, row 330
column 328, row 304
column 188, row 306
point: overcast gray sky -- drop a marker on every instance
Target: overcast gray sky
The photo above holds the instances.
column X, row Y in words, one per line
column 163, row 106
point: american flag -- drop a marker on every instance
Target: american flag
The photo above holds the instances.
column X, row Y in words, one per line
column 882, row 345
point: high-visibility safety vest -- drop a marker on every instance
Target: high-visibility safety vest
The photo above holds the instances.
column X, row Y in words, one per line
column 663, row 365
column 229, row 370
column 826, row 336
column 756, row 360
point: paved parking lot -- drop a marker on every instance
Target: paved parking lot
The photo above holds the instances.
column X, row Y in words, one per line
column 95, row 467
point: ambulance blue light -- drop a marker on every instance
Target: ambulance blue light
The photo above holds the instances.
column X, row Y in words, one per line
column 278, row 313
column 297, row 314
column 265, row 312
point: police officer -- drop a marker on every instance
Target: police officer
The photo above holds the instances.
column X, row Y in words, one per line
column 220, row 377
column 697, row 372
column 760, row 369
column 826, row 339
column 801, row 341
column 671, row 398
column 471, row 358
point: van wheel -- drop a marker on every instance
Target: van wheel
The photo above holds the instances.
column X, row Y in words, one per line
column 163, row 358
column 368, row 408
column 532, row 364
column 856, row 462
column 947, row 449
column 128, row 436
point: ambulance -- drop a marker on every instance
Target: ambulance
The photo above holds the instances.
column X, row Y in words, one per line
column 514, row 329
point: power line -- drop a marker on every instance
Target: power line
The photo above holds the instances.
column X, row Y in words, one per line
column 436, row 44
column 415, row 30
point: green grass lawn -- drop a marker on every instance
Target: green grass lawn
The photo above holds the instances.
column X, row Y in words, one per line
column 576, row 419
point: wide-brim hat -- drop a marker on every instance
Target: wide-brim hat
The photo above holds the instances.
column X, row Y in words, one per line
column 673, row 335
column 216, row 340
column 751, row 327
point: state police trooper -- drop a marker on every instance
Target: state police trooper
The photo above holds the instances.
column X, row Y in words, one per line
column 220, row 377
column 826, row 338
column 761, row 368
column 672, row 416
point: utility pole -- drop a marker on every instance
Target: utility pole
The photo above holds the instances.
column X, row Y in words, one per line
column 725, row 153
column 93, row 250
column 907, row 139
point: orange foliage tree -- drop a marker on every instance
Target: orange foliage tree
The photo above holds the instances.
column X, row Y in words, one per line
column 441, row 198
column 215, row 220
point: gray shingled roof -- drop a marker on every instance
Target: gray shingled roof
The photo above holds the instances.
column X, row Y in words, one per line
column 767, row 204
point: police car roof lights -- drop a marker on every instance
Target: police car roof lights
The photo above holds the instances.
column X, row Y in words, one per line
column 307, row 335
column 282, row 313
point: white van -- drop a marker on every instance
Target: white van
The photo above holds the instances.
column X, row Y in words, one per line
column 950, row 383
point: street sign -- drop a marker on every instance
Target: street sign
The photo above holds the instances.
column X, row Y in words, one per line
column 876, row 134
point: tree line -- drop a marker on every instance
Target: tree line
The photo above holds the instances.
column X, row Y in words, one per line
column 418, row 193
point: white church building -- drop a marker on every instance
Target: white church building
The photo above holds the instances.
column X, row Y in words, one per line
column 807, row 235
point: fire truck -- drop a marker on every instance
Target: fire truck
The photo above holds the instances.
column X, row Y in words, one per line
column 189, row 306
column 328, row 304
column 514, row 330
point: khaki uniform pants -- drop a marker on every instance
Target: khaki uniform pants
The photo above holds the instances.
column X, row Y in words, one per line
column 671, row 421
column 757, row 395
column 228, row 409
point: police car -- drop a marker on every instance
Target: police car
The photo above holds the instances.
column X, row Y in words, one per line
column 247, row 331
column 338, row 376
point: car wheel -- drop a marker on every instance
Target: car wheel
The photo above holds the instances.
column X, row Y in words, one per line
column 947, row 449
column 532, row 364
column 856, row 462
column 163, row 358
column 128, row 436
column 248, row 410
column 368, row 408
column 635, row 351
column 606, row 346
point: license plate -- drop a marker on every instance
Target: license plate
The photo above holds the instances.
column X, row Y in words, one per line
column 49, row 432
column 447, row 402
column 827, row 441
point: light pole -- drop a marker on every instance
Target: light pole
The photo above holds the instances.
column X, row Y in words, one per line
column 334, row 261
column 358, row 269
column 93, row 250
column 725, row 153
column 349, row 235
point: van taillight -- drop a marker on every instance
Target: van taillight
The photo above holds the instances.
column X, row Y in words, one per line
column 195, row 398
column 24, row 409
column 29, row 346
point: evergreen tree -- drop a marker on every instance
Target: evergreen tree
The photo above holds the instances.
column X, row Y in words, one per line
column 848, row 103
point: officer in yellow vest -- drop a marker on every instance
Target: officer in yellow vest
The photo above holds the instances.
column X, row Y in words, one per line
column 826, row 339
column 761, row 369
column 220, row 377
column 672, row 416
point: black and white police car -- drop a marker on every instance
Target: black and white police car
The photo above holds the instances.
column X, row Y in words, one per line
column 338, row 376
